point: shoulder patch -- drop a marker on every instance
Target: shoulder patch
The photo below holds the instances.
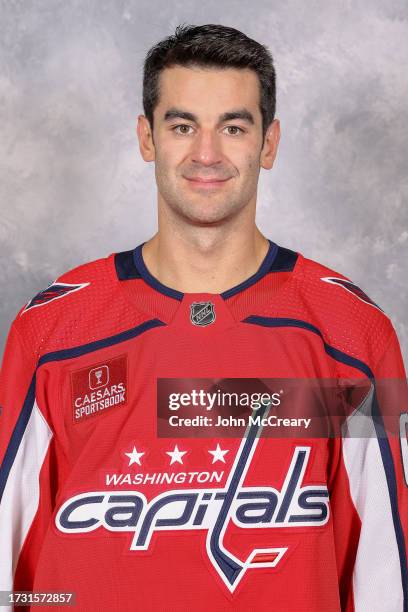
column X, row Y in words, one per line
column 55, row 291
column 351, row 288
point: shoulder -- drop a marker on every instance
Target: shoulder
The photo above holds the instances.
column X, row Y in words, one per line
column 73, row 287
column 334, row 287
column 322, row 301
column 67, row 303
column 346, row 315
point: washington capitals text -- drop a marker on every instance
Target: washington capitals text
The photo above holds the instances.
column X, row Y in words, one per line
column 210, row 509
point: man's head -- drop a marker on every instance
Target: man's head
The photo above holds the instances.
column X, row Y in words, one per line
column 209, row 102
column 213, row 46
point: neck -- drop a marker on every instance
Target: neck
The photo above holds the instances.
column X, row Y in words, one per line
column 207, row 260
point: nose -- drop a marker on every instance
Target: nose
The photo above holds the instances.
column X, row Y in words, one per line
column 206, row 149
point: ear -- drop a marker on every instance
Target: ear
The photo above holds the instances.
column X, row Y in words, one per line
column 145, row 136
column 270, row 145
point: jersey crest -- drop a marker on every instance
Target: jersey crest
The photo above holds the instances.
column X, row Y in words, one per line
column 295, row 504
column 55, row 291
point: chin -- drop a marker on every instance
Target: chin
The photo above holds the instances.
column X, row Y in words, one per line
column 208, row 219
column 203, row 210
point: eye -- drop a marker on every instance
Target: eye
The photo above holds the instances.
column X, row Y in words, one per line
column 182, row 128
column 234, row 127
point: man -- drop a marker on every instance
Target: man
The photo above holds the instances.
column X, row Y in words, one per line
column 102, row 495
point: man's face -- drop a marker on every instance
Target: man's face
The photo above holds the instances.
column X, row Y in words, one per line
column 207, row 141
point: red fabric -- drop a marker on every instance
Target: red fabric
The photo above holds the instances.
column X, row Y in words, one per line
column 176, row 572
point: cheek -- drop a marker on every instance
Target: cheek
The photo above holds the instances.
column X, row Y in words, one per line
column 173, row 146
column 170, row 157
column 251, row 163
column 245, row 159
column 164, row 159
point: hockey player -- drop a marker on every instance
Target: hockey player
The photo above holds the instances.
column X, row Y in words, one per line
column 102, row 498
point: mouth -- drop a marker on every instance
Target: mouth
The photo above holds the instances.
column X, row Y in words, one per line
column 206, row 182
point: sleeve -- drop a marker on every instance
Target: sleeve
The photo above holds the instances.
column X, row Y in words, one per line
column 24, row 440
column 376, row 468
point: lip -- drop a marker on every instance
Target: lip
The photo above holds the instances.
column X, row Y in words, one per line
column 206, row 182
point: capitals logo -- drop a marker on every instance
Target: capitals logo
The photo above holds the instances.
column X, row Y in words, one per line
column 55, row 291
column 351, row 288
column 210, row 510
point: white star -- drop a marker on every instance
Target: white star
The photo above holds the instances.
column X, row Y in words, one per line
column 218, row 454
column 134, row 456
column 176, row 455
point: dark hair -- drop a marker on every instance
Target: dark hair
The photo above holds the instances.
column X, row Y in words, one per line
column 214, row 46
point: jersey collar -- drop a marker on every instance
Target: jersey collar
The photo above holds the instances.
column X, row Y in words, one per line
column 130, row 265
column 178, row 295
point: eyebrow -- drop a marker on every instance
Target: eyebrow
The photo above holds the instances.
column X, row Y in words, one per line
column 242, row 113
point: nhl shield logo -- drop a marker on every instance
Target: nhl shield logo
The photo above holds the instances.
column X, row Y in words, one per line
column 202, row 313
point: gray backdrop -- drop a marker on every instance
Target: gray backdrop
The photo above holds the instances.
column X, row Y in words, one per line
column 74, row 187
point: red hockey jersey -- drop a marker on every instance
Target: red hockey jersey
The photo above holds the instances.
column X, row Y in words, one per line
column 95, row 502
